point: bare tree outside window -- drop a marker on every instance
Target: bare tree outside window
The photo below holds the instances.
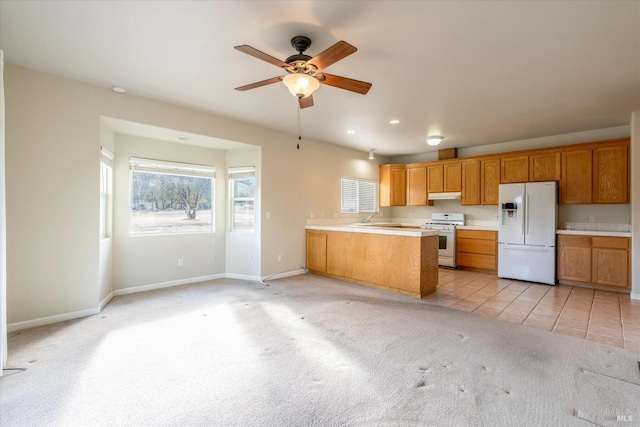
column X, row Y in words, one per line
column 170, row 203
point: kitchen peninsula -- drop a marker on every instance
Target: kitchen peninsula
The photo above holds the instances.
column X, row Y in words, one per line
column 391, row 257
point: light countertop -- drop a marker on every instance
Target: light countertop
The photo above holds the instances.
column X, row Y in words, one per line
column 595, row 233
column 390, row 229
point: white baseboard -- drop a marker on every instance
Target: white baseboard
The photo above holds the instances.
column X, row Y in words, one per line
column 635, row 296
column 18, row 326
column 105, row 301
column 288, row 273
column 242, row 277
column 169, row 284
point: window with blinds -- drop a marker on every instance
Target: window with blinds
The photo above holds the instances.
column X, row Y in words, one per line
column 170, row 197
column 242, row 198
column 358, row 196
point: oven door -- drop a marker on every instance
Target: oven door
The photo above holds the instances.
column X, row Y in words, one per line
column 447, row 248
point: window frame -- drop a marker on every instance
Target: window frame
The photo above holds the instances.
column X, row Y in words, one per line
column 106, row 194
column 237, row 173
column 162, row 167
column 359, row 195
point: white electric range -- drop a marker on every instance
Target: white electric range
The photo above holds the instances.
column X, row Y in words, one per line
column 446, row 224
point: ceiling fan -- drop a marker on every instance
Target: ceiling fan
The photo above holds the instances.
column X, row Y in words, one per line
column 305, row 74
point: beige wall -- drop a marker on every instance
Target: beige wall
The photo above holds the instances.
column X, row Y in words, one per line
column 152, row 259
column 53, row 135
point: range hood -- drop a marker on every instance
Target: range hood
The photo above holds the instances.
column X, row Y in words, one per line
column 445, row 196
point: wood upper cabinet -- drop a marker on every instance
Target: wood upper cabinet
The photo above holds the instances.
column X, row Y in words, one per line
column 574, row 258
column 489, row 181
column 575, row 184
column 610, row 261
column 435, row 178
column 514, row 169
column 416, row 185
column 610, row 174
column 544, row 167
column 393, row 185
column 470, row 182
column 452, row 177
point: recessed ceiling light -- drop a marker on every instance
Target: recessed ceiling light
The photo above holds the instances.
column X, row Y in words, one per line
column 394, row 121
column 118, row 89
column 434, row 140
column 351, row 131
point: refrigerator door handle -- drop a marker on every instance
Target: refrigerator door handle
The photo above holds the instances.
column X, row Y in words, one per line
column 523, row 207
column 527, row 248
column 526, row 218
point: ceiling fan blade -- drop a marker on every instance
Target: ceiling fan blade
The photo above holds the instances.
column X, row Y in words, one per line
column 306, row 102
column 332, row 55
column 344, row 83
column 259, row 84
column 261, row 55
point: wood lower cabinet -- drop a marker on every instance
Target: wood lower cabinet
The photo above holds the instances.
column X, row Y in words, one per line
column 610, row 261
column 416, row 185
column 574, row 258
column 477, row 249
column 470, row 183
column 393, row 185
column 403, row 264
column 599, row 260
column 489, row 181
column 317, row 251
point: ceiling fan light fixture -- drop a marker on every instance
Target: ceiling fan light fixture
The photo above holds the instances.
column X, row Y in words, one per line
column 301, row 85
column 434, row 140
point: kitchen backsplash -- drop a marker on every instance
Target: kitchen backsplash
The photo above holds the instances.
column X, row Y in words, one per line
column 597, row 226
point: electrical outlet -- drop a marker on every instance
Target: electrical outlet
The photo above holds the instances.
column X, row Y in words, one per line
column 279, row 258
column 592, row 218
column 311, row 215
column 180, row 262
column 335, row 215
column 268, row 215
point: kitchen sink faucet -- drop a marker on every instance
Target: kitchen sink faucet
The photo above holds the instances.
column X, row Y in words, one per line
column 367, row 219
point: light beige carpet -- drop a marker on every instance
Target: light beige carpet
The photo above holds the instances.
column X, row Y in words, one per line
column 308, row 351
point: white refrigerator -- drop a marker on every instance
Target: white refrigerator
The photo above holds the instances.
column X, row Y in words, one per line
column 528, row 217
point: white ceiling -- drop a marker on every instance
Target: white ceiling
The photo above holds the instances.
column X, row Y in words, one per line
column 477, row 72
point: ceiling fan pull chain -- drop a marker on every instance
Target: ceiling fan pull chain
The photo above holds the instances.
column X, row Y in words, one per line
column 299, row 127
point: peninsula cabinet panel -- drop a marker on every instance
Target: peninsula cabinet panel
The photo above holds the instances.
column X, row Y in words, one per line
column 470, row 183
column 435, row 178
column 610, row 174
column 544, row 167
column 514, row 169
column 452, row 177
column 416, row 185
column 575, row 184
column 317, row 251
column 393, row 185
column 489, row 181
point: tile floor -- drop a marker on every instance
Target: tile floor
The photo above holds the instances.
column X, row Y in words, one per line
column 603, row 316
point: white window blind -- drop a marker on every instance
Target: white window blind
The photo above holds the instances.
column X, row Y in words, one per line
column 358, row 196
column 161, row 166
